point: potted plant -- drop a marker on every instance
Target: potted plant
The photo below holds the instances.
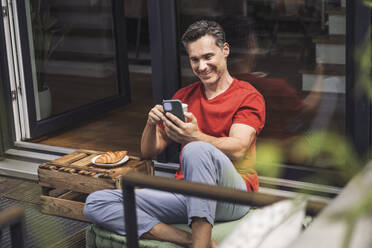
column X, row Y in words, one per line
column 47, row 36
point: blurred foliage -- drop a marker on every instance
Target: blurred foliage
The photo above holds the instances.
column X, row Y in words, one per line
column 368, row 3
column 320, row 149
column 271, row 155
column 362, row 208
column 363, row 57
column 352, row 215
column 326, row 149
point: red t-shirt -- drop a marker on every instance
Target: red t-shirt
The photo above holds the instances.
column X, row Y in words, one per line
column 240, row 103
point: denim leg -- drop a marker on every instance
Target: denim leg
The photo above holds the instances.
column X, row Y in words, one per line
column 204, row 163
column 105, row 208
column 226, row 211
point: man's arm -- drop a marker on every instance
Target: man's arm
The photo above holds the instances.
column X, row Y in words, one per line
column 235, row 146
column 154, row 140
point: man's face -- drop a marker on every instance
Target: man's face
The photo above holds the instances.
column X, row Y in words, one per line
column 208, row 61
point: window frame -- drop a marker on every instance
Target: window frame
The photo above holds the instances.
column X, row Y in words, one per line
column 41, row 127
column 358, row 106
column 166, row 72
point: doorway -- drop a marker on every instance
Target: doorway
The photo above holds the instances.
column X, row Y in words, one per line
column 121, row 126
column 72, row 62
column 92, row 59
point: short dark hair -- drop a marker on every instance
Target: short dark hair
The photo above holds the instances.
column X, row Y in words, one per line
column 204, row 27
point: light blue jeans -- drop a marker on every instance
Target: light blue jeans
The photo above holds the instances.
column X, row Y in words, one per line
column 201, row 162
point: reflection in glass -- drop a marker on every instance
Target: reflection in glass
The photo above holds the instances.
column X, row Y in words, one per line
column 72, row 53
column 293, row 52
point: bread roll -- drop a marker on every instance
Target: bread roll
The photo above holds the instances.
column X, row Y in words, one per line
column 111, row 157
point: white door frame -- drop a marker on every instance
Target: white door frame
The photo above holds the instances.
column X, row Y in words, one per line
column 15, row 68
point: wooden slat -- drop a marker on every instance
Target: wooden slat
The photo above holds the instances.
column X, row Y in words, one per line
column 85, row 162
column 75, row 172
column 62, row 207
column 131, row 165
column 70, row 158
column 74, row 182
column 70, row 195
column 90, row 168
column 56, row 192
column 90, row 151
column 46, row 190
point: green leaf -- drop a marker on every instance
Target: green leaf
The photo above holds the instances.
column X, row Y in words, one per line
column 368, row 3
column 269, row 155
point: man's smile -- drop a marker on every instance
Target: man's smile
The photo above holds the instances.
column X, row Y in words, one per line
column 205, row 74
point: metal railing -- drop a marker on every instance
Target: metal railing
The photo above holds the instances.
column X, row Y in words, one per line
column 258, row 199
column 14, row 218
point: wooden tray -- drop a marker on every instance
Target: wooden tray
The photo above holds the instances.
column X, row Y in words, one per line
column 70, row 205
column 75, row 175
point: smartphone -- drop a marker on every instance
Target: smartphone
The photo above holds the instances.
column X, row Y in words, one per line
column 174, row 107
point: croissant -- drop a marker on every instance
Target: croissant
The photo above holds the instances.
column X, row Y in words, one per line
column 111, row 157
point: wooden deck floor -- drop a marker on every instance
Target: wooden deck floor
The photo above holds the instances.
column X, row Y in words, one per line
column 41, row 230
column 116, row 130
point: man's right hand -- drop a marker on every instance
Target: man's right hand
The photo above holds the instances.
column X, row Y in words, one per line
column 155, row 115
column 154, row 140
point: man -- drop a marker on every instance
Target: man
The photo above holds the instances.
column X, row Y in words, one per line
column 225, row 116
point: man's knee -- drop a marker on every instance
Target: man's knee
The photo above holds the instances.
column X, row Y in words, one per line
column 90, row 205
column 93, row 203
column 197, row 155
column 196, row 148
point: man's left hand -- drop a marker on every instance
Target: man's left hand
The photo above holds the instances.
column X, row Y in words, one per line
column 179, row 131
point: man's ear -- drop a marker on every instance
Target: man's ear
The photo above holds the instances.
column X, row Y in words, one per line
column 226, row 49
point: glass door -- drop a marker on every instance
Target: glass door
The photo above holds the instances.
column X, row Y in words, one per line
column 74, row 60
column 294, row 53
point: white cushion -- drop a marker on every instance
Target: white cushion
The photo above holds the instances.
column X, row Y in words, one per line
column 276, row 226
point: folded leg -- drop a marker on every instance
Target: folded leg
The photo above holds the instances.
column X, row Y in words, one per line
column 105, row 208
column 204, row 163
